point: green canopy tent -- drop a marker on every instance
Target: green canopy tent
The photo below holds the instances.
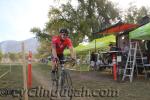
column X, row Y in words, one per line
column 100, row 44
column 141, row 33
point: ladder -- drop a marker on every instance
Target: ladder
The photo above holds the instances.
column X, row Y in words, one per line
column 133, row 54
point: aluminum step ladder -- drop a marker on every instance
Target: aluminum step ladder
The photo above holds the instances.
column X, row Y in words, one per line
column 131, row 63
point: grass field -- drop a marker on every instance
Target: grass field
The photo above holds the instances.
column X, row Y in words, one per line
column 91, row 80
column 12, row 80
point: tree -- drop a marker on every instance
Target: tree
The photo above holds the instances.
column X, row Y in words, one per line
column 12, row 56
column 1, row 55
column 40, row 34
column 134, row 14
column 88, row 17
column 44, row 49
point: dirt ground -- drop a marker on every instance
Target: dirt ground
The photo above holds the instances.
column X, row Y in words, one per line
column 95, row 82
column 87, row 85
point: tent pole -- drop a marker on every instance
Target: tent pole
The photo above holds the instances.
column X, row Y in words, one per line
column 95, row 45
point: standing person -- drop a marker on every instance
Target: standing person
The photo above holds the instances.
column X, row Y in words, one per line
column 109, row 57
column 93, row 60
column 125, row 49
column 111, row 47
column 147, row 48
column 59, row 43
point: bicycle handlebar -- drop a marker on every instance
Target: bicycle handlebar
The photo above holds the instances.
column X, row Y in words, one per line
column 69, row 60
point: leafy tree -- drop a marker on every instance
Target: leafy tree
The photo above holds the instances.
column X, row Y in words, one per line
column 88, row 17
column 19, row 55
column 134, row 14
column 40, row 34
column 44, row 49
column 12, row 56
column 1, row 55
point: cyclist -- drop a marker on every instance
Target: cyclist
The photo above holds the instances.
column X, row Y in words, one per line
column 59, row 43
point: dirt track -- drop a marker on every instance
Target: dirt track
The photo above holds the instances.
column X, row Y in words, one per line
column 97, row 80
column 41, row 79
column 46, row 82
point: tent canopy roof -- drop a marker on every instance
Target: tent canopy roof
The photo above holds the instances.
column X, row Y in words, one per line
column 141, row 33
column 101, row 43
column 119, row 27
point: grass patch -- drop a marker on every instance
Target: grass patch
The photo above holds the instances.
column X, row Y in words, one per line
column 12, row 80
column 43, row 68
column 82, row 67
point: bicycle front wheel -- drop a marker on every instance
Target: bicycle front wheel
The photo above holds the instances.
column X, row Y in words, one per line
column 66, row 81
column 66, row 84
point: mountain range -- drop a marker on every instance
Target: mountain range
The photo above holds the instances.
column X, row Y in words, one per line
column 16, row 46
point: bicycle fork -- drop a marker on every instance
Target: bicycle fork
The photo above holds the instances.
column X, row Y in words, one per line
column 62, row 76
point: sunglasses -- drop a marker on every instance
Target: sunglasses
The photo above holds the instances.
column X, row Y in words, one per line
column 64, row 34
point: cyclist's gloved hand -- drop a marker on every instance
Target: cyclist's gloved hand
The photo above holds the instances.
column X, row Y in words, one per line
column 56, row 59
column 73, row 59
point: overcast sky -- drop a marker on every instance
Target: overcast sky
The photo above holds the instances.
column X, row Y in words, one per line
column 19, row 16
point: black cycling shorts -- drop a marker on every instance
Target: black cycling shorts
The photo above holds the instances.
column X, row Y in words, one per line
column 60, row 57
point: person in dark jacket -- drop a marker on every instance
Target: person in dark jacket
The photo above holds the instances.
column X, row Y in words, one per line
column 147, row 48
column 93, row 59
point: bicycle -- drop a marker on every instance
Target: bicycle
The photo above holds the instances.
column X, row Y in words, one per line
column 63, row 82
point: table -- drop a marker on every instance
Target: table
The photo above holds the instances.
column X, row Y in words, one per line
column 114, row 61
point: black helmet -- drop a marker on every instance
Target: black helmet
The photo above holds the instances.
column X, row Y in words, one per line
column 64, row 31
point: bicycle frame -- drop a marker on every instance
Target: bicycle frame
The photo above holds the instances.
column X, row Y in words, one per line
column 62, row 76
column 63, row 81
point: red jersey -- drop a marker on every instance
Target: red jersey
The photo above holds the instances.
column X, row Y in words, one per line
column 61, row 44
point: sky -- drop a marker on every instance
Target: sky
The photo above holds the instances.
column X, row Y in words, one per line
column 19, row 16
column 125, row 3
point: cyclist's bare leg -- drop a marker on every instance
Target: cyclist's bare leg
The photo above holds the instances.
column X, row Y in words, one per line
column 53, row 65
column 53, row 70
